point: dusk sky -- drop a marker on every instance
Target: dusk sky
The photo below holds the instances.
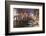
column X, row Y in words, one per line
column 23, row 10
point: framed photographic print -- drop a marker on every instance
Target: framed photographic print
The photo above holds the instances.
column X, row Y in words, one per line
column 24, row 17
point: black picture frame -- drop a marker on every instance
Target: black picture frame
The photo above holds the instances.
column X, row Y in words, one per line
column 7, row 3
